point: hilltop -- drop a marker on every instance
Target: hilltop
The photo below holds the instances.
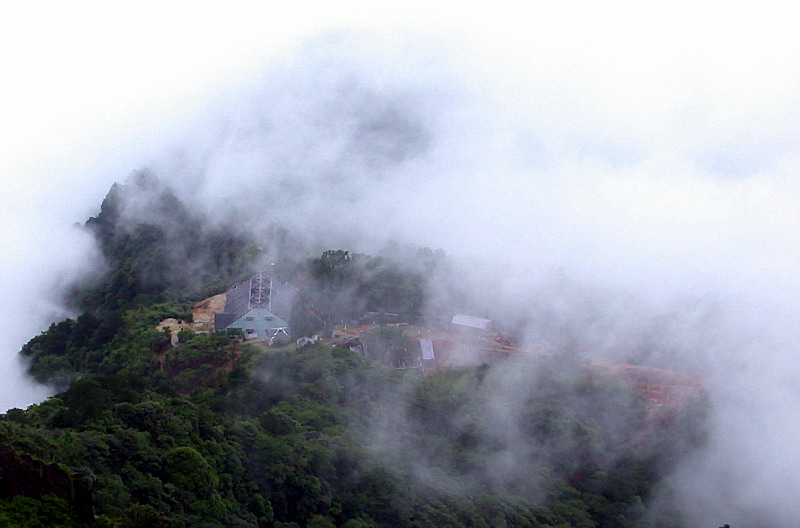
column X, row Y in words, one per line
column 204, row 429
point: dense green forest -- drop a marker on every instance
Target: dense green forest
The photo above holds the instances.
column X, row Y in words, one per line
column 213, row 433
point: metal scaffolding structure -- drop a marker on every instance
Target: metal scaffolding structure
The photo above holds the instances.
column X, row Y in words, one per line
column 259, row 293
column 260, row 288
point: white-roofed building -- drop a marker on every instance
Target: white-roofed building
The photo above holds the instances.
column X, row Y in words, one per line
column 472, row 322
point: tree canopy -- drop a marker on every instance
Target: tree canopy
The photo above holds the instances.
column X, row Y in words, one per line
column 212, row 432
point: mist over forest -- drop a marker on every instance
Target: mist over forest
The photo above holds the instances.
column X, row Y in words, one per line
column 590, row 239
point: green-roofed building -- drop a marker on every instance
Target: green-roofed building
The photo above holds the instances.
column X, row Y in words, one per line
column 259, row 325
column 259, row 307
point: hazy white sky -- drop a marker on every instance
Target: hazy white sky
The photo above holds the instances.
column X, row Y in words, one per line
column 661, row 116
column 688, row 92
column 78, row 72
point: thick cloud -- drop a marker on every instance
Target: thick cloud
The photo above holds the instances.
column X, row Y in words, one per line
column 631, row 193
column 609, row 234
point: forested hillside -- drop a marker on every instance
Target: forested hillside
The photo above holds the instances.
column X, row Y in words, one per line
column 213, row 432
